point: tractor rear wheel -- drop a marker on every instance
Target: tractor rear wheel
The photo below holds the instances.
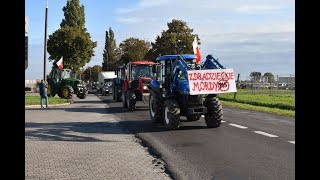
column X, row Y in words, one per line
column 114, row 90
column 118, row 94
column 67, row 92
column 214, row 114
column 171, row 114
column 124, row 100
column 155, row 108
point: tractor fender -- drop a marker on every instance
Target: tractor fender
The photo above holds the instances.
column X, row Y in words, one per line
column 154, row 86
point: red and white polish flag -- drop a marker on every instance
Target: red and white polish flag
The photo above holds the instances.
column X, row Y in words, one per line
column 60, row 63
column 196, row 49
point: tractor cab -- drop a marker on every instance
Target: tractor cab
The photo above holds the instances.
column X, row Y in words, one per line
column 59, row 74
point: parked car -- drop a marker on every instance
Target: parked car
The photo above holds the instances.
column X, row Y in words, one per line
column 107, row 88
column 282, row 86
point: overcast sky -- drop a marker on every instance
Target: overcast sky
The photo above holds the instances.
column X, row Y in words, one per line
column 246, row 35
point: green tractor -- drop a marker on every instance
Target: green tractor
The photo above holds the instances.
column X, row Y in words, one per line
column 61, row 83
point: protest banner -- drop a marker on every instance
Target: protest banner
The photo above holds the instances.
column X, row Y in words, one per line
column 211, row 81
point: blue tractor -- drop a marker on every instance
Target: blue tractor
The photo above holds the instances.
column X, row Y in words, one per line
column 170, row 95
column 117, row 83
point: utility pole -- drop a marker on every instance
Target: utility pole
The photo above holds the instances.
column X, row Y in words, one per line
column 90, row 76
column 45, row 43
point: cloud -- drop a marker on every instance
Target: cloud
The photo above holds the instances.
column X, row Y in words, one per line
column 246, row 34
column 129, row 20
column 141, row 5
column 152, row 3
column 257, row 8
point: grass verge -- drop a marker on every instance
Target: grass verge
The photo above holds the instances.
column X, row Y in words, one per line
column 35, row 100
column 290, row 113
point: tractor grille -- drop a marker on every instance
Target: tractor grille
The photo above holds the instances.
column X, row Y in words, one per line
column 195, row 100
column 195, row 105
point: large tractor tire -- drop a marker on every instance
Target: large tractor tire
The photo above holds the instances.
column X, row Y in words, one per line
column 124, row 99
column 193, row 117
column 67, row 92
column 155, row 108
column 171, row 114
column 82, row 96
column 50, row 90
column 131, row 102
column 214, row 114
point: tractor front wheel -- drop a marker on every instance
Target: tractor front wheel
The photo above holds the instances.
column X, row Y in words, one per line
column 118, row 94
column 67, row 92
column 124, row 99
column 131, row 101
column 214, row 114
column 171, row 114
column 50, row 90
column 82, row 96
column 155, row 108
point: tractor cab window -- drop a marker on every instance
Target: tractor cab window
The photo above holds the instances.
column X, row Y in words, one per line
column 58, row 75
column 141, row 71
column 168, row 67
column 66, row 73
column 53, row 74
column 191, row 63
column 159, row 72
column 122, row 73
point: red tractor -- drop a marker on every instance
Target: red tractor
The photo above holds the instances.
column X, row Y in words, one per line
column 135, row 83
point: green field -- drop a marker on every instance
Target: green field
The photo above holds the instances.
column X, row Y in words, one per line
column 35, row 100
column 278, row 103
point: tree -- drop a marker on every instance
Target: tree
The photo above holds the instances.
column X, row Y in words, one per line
column 73, row 14
column 176, row 40
column 133, row 49
column 269, row 76
column 71, row 40
column 255, row 76
column 109, row 52
column 91, row 73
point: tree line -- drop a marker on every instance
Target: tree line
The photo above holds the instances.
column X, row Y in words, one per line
column 72, row 42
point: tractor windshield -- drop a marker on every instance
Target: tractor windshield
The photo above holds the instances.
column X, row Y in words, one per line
column 141, row 71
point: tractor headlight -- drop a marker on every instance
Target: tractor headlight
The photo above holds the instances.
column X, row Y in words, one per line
column 145, row 87
column 79, row 85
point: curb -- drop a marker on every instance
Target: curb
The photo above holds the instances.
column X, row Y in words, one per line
column 50, row 105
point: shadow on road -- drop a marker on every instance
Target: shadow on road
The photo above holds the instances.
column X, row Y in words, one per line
column 71, row 131
column 78, row 131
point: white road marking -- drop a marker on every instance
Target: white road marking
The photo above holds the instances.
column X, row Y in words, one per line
column 265, row 134
column 293, row 142
column 238, row 126
column 223, row 121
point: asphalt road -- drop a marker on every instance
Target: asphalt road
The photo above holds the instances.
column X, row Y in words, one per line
column 248, row 144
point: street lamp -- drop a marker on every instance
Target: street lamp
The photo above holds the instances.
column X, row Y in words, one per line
column 45, row 43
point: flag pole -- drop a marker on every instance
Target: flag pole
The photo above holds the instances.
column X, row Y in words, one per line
column 45, row 43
